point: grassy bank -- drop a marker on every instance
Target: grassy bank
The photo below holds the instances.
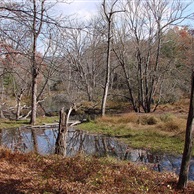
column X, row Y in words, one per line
column 6, row 123
column 163, row 132
column 156, row 132
column 29, row 173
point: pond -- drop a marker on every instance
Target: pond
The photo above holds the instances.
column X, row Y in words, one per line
column 42, row 141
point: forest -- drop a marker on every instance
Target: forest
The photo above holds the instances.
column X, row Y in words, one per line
column 131, row 57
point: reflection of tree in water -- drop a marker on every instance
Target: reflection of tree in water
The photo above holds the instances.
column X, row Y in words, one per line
column 143, row 156
column 28, row 139
column 13, row 139
column 106, row 146
column 100, row 146
column 1, row 133
column 50, row 136
column 75, row 142
column 79, row 141
column 34, row 140
column 43, row 140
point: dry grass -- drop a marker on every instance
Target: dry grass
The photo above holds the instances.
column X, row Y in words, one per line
column 135, row 118
column 173, row 126
column 172, row 123
column 165, row 122
column 156, row 131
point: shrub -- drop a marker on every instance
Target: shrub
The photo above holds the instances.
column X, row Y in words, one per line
column 172, row 126
column 129, row 118
column 166, row 117
column 152, row 120
column 148, row 120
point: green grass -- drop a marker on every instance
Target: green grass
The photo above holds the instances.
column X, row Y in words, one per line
column 163, row 133
column 5, row 123
column 156, row 142
column 43, row 120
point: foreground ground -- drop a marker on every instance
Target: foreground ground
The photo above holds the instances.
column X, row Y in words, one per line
column 162, row 131
column 30, row 173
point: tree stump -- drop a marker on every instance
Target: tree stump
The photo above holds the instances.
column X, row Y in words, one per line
column 60, row 146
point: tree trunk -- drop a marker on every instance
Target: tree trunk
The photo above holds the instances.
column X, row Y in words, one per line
column 60, row 147
column 34, row 100
column 132, row 99
column 183, row 176
column 34, row 67
column 107, row 79
column 36, row 29
column 19, row 99
column 61, row 144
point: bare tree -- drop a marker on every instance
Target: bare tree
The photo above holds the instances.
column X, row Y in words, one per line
column 34, row 18
column 108, row 11
column 183, row 175
column 16, row 73
column 36, row 30
column 144, row 69
column 81, row 70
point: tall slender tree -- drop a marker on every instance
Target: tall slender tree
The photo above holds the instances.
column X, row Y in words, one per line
column 37, row 23
column 109, row 12
column 183, row 175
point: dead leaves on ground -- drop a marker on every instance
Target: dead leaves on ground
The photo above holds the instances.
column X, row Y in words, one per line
column 30, row 173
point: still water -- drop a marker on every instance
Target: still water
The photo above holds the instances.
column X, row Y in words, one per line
column 42, row 140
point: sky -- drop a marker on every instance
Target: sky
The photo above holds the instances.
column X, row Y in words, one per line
column 84, row 9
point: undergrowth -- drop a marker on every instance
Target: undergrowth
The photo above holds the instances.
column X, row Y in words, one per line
column 32, row 173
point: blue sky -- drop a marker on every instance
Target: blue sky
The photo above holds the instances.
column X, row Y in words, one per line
column 86, row 9
column 82, row 8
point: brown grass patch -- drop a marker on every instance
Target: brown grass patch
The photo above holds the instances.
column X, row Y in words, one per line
column 173, row 124
column 135, row 118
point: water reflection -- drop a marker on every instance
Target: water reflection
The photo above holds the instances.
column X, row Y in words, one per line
column 42, row 141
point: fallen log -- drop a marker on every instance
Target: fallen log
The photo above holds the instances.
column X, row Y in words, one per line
column 49, row 125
